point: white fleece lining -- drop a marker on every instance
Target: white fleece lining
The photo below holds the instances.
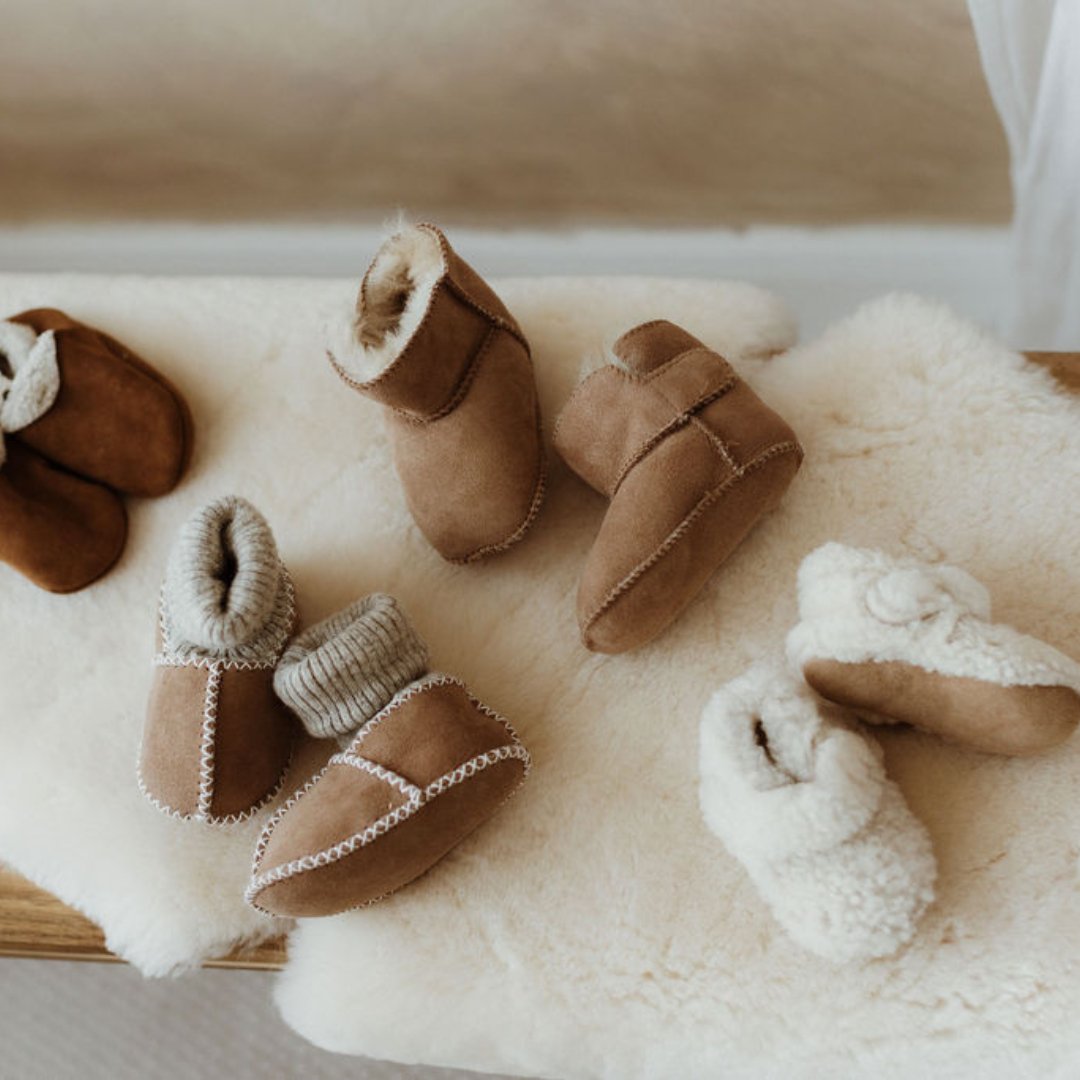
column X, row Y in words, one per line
column 31, row 388
column 858, row 605
column 391, row 304
column 802, row 800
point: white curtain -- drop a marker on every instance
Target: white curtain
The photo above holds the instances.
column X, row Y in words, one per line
column 1031, row 55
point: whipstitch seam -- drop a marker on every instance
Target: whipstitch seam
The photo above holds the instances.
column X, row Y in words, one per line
column 514, row 749
column 777, row 450
column 216, row 822
column 207, row 742
column 372, row 832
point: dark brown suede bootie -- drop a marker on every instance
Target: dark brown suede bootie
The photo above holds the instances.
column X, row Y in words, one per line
column 217, row 741
column 431, row 341
column 690, row 458
column 58, row 530
column 424, row 764
column 111, row 417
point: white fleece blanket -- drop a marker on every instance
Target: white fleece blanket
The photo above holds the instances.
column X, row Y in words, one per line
column 595, row 927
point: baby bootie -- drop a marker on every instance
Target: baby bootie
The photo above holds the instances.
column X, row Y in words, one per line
column 217, row 740
column 430, row 341
column 801, row 799
column 57, row 530
column 424, row 763
column 690, row 458
column 898, row 640
column 104, row 413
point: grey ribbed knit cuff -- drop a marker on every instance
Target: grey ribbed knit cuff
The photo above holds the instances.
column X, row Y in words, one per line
column 339, row 673
column 226, row 593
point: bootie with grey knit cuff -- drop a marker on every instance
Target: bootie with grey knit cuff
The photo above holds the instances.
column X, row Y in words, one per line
column 217, row 741
column 424, row 763
column 341, row 672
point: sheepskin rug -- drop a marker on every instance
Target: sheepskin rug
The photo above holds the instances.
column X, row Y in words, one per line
column 595, row 928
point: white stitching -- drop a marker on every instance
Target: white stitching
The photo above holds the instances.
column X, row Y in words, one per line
column 383, row 825
column 206, row 742
column 167, row 656
column 418, row 686
column 396, row 780
column 215, row 822
column 474, row 765
column 216, row 667
column 512, row 750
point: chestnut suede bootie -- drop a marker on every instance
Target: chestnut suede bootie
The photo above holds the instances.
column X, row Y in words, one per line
column 217, row 740
column 57, row 529
column 111, row 417
column 690, row 458
column 424, row 763
column 431, row 342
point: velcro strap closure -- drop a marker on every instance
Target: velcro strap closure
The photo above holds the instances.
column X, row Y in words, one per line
column 615, row 417
column 691, row 380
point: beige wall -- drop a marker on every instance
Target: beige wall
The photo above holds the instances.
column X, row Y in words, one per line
column 480, row 111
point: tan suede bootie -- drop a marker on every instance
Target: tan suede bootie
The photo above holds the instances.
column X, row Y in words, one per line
column 431, row 341
column 217, row 740
column 424, row 764
column 690, row 458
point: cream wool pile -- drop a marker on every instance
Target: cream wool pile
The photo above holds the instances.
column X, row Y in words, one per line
column 595, row 927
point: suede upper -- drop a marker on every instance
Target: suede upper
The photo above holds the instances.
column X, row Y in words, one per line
column 462, row 409
column 115, row 420
column 690, row 458
column 58, row 530
column 217, row 741
column 414, row 782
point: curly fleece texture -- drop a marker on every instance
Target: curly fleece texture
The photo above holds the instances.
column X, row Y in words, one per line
column 594, row 927
column 29, row 377
column 801, row 798
column 856, row 605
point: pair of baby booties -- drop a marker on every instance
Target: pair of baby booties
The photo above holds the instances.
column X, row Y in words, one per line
column 421, row 764
column 83, row 422
column 798, row 792
column 689, row 457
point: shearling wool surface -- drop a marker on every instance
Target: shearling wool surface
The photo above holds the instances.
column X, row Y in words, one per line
column 29, row 377
column 594, row 927
column 798, row 793
column 858, row 605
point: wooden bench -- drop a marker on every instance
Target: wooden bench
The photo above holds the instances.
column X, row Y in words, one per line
column 35, row 924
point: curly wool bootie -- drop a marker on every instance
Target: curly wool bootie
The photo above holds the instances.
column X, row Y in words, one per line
column 690, row 458
column 802, row 800
column 111, row 417
column 901, row 641
column 424, row 763
column 432, row 342
column 217, row 741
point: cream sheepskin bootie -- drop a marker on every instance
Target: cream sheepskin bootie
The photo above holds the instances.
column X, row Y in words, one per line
column 898, row 640
column 802, row 800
